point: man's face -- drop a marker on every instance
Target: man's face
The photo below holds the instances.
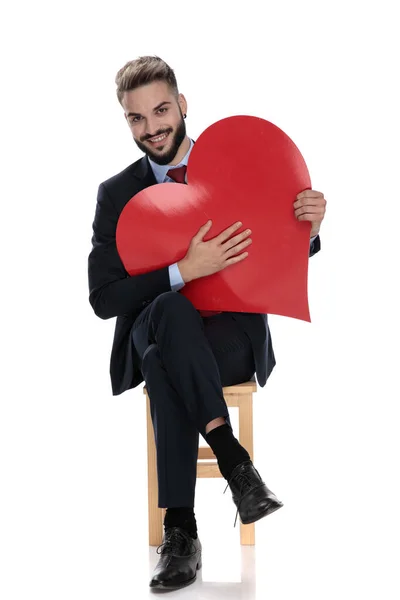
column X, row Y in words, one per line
column 152, row 112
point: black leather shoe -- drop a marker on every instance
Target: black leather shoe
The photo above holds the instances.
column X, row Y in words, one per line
column 250, row 494
column 179, row 562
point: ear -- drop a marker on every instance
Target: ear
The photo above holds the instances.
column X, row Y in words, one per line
column 182, row 103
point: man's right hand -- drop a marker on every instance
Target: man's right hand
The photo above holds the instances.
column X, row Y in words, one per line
column 206, row 258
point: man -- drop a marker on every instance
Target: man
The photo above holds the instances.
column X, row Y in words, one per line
column 185, row 356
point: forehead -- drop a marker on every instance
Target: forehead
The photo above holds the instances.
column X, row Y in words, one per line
column 146, row 97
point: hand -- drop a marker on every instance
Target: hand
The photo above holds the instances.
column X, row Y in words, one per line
column 206, row 258
column 310, row 206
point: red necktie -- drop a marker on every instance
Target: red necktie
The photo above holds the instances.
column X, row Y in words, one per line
column 178, row 175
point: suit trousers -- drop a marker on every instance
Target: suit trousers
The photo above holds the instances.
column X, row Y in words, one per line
column 185, row 360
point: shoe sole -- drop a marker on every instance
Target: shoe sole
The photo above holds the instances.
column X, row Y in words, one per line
column 270, row 509
column 176, row 586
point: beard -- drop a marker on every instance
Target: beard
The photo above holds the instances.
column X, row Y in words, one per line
column 176, row 140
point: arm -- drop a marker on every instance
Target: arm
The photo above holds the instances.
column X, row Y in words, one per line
column 177, row 281
column 112, row 291
column 310, row 205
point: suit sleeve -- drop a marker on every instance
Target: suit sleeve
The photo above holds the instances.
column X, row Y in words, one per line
column 112, row 291
column 315, row 246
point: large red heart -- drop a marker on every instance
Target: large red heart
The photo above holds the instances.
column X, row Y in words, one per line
column 241, row 168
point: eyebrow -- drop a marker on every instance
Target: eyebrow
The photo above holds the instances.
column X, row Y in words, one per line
column 133, row 114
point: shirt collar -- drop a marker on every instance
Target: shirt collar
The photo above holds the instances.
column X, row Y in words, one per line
column 160, row 171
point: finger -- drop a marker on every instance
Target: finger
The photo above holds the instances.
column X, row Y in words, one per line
column 309, row 194
column 236, row 239
column 203, row 230
column 309, row 217
column 238, row 248
column 236, row 259
column 311, row 201
column 316, row 210
column 228, row 232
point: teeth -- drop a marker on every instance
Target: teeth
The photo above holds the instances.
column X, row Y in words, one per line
column 158, row 139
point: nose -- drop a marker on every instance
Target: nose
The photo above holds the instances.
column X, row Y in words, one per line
column 151, row 127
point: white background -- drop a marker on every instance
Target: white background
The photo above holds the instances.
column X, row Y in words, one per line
column 73, row 457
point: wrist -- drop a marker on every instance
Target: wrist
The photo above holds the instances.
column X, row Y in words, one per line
column 184, row 270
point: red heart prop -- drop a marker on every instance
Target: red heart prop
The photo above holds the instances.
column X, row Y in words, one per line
column 241, row 168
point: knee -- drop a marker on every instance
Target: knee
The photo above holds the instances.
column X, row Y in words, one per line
column 172, row 302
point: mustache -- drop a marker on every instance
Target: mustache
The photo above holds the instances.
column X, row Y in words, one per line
column 148, row 137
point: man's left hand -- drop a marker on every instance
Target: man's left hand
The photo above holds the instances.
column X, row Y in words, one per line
column 310, row 206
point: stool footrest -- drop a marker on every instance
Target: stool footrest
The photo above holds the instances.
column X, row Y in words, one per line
column 208, row 469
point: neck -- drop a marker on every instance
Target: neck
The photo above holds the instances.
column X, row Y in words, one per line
column 183, row 149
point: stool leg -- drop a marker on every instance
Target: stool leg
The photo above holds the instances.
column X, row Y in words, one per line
column 155, row 513
column 247, row 532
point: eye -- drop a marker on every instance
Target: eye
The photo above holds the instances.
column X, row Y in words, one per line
column 162, row 109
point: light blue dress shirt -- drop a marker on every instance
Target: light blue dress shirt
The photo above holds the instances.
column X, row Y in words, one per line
column 160, row 173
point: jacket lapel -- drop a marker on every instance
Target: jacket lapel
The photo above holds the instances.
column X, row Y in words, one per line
column 143, row 173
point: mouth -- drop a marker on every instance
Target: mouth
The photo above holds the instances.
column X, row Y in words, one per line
column 158, row 140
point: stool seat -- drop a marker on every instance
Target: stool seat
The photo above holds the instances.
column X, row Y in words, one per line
column 240, row 396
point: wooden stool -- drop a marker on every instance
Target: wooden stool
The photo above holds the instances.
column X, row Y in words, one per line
column 241, row 396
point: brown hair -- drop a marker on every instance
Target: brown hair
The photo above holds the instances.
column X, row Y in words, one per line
column 141, row 71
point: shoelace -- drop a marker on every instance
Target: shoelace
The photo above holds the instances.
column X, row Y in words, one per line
column 174, row 541
column 244, row 478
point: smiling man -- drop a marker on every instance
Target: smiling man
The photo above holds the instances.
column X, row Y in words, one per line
column 170, row 143
column 185, row 356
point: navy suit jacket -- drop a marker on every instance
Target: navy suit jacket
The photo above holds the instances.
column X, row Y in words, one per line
column 114, row 293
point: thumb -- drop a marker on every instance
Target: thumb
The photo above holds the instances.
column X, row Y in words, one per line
column 203, row 230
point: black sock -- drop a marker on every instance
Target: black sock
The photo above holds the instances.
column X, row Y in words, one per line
column 227, row 449
column 181, row 517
